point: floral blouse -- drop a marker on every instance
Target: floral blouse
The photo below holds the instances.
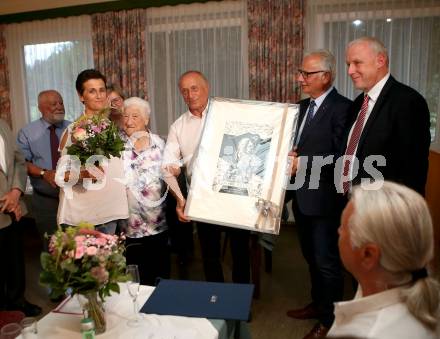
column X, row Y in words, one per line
column 145, row 188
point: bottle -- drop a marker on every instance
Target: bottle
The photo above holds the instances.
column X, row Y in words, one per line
column 87, row 328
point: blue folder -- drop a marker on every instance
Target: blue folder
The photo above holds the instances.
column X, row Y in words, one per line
column 201, row 299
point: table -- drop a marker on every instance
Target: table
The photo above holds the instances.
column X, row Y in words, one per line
column 64, row 322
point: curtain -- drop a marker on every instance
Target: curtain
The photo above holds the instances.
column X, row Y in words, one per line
column 119, row 49
column 46, row 54
column 5, row 107
column 410, row 29
column 209, row 37
column 276, row 37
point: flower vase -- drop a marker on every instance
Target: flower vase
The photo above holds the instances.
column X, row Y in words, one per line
column 93, row 308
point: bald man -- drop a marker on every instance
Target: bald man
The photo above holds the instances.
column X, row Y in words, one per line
column 38, row 142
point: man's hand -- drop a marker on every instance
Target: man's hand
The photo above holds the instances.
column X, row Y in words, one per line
column 180, row 207
column 294, row 162
column 9, row 201
column 17, row 212
column 49, row 176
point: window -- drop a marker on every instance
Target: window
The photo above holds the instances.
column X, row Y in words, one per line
column 409, row 29
column 54, row 66
column 208, row 37
column 46, row 54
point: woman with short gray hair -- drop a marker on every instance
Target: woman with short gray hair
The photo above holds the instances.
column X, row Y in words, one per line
column 146, row 228
column 386, row 242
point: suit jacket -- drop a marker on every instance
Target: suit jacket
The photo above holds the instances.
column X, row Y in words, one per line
column 398, row 129
column 16, row 170
column 323, row 137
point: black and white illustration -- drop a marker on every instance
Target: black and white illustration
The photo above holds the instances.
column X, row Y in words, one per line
column 240, row 169
column 242, row 159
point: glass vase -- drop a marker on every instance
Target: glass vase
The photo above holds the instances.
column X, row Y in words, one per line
column 93, row 308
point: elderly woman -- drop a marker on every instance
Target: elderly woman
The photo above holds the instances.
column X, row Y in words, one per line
column 386, row 242
column 103, row 206
column 146, row 228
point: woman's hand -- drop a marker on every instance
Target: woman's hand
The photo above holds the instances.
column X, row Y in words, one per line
column 85, row 174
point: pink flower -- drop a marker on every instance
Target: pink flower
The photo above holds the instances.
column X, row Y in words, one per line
column 79, row 252
column 80, row 134
column 79, row 240
column 92, row 250
column 100, row 274
column 101, row 241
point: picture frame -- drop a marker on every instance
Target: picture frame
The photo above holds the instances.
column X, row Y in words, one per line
column 241, row 167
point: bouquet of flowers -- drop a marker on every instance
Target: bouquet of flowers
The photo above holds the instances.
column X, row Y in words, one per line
column 95, row 135
column 83, row 260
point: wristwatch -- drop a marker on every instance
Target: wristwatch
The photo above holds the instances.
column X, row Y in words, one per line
column 42, row 173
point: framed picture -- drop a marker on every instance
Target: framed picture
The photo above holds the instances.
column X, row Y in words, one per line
column 241, row 167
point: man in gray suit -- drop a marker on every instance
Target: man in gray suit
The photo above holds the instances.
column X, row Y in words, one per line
column 12, row 208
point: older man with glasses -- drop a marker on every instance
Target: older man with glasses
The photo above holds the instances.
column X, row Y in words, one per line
column 321, row 126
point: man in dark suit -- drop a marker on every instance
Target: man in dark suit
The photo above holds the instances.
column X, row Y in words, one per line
column 389, row 119
column 316, row 205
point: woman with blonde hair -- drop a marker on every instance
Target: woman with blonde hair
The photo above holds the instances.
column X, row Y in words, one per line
column 386, row 242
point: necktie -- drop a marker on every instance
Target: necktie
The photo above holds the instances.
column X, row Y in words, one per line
column 54, row 144
column 354, row 140
column 309, row 118
column 310, row 113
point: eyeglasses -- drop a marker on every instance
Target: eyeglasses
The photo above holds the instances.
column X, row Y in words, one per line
column 306, row 74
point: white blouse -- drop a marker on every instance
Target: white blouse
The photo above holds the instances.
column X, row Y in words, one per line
column 381, row 316
column 95, row 206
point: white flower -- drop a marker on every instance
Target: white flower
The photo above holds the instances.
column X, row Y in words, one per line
column 80, row 134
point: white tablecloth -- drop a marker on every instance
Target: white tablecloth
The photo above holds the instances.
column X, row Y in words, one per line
column 64, row 321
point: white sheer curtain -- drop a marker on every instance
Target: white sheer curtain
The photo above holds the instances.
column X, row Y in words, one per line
column 209, row 37
column 56, row 51
column 410, row 29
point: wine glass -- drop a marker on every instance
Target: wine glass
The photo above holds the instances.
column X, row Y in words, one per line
column 133, row 285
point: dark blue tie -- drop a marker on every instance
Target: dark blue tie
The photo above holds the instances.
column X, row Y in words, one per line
column 309, row 118
column 309, row 114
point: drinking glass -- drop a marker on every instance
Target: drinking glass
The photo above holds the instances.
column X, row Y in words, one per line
column 133, row 285
column 29, row 325
column 10, row 331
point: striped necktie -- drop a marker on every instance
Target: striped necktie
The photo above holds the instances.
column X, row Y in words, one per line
column 354, row 141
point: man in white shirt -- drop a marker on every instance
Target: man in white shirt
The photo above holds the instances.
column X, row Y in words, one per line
column 183, row 140
column 389, row 119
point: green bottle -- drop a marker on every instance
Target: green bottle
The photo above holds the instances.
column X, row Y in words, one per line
column 87, row 328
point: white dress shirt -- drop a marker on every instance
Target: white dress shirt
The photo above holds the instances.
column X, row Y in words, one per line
column 183, row 140
column 380, row 316
column 318, row 101
column 373, row 93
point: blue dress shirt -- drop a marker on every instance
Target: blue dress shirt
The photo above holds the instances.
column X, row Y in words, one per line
column 34, row 142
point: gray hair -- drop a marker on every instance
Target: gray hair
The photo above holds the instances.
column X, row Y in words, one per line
column 376, row 45
column 328, row 61
column 42, row 95
column 397, row 219
column 200, row 74
column 141, row 104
